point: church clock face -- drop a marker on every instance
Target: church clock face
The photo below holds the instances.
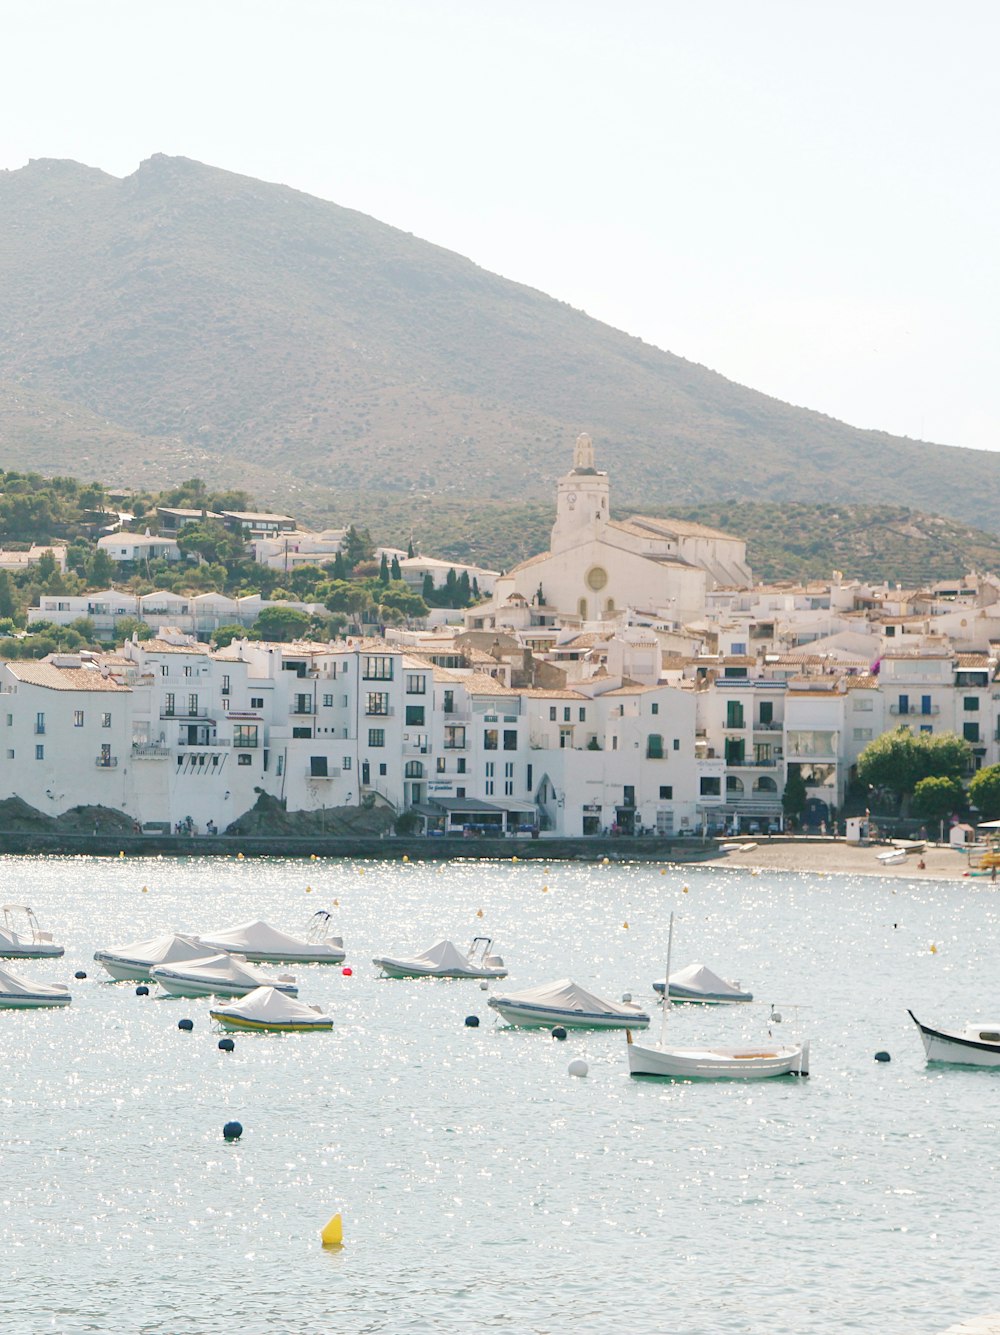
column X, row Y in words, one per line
column 596, row 578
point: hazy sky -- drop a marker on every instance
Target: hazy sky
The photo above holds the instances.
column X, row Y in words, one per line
column 800, row 194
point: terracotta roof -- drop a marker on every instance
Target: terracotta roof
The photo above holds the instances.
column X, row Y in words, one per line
column 861, row 683
column 681, row 527
column 163, row 647
column 973, row 661
column 478, row 683
column 63, row 679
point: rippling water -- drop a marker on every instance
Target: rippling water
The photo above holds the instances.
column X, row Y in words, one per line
column 482, row 1188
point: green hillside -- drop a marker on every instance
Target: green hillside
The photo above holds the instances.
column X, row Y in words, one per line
column 188, row 321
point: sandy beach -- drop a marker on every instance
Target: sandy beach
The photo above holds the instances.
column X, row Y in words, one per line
column 834, row 856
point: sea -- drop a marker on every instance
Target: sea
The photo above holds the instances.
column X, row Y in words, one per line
column 480, row 1185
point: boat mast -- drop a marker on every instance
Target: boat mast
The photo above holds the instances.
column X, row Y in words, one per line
column 666, row 983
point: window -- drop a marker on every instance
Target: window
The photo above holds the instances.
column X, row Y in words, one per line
column 193, row 705
column 491, row 739
column 654, row 746
column 256, row 702
column 510, row 739
column 528, row 778
column 225, row 684
column 677, row 743
column 864, row 704
column 376, row 737
column 738, row 648
column 302, row 732
column 862, row 734
column 970, row 731
column 711, row 786
column 40, row 723
column 378, row 667
column 377, row 702
column 188, row 671
column 327, row 701
column 105, row 720
column 654, row 708
column 582, row 714
column 566, row 713
column 903, row 705
column 439, row 764
column 552, row 713
column 414, row 716
column 926, row 707
column 77, row 718
column 666, row 792
column 244, row 735
column 734, row 713
column 317, row 767
column 460, row 765
column 767, row 711
column 416, row 683
column 345, row 764
column 454, row 736
column 490, row 770
column 383, row 770
column 970, row 703
column 248, row 760
column 459, row 792
column 302, row 705
column 449, row 702
column 39, row 752
column 279, row 768
column 414, row 770
column 734, row 751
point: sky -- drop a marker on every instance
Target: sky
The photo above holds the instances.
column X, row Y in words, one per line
column 799, row 194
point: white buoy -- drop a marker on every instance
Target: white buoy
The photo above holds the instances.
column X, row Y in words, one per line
column 484, row 986
column 578, row 1067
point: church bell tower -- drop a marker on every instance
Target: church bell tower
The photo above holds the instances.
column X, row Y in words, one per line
column 583, row 500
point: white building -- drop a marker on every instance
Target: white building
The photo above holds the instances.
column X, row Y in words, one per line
column 126, row 547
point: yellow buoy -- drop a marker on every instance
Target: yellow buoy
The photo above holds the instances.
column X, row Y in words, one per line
column 239, row 857
column 121, row 853
column 406, row 857
column 605, row 862
column 361, row 870
column 309, row 889
column 933, row 948
column 333, row 1232
column 479, row 913
column 663, row 871
column 336, row 903
column 145, row 889
column 545, row 889
column 625, row 925
column 686, row 889
column 515, row 858
column 312, row 857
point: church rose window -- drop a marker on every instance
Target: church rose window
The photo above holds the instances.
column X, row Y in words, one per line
column 596, row 577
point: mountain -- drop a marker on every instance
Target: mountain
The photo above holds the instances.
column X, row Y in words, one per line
column 188, row 321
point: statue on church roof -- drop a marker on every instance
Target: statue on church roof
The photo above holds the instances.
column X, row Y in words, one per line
column 583, row 454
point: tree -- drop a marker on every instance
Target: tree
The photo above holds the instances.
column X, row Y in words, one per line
column 399, row 597
column 339, row 567
column 8, row 607
column 409, row 549
column 210, row 541
column 281, row 624
column 427, row 589
column 383, row 570
column 46, row 567
column 464, row 590
column 100, row 569
column 224, row 635
column 984, row 792
column 335, row 595
column 935, row 798
column 358, row 546
column 126, row 627
column 793, row 799
column 897, row 761
column 395, row 574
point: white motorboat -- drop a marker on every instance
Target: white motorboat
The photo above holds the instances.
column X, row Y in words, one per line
column 743, row 1062
column 749, row 1062
column 261, row 943
column 445, row 960
column 567, row 1003
column 892, row 858
column 132, row 963
column 977, row 1044
column 267, row 1010
column 18, row 994
column 21, row 938
column 699, row 984
column 216, row 976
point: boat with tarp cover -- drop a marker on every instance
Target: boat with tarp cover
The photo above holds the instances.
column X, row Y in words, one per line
column 133, row 962
column 698, row 983
column 567, row 1003
column 21, row 938
column 266, row 1010
column 261, row 943
column 19, row 994
column 216, row 976
column 445, row 960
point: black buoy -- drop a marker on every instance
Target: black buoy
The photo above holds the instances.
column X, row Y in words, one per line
column 472, row 1021
column 232, row 1130
column 186, row 1025
column 226, row 1045
column 559, row 1032
column 882, row 1057
column 142, row 990
column 79, row 974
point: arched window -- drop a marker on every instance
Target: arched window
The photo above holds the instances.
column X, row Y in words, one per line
column 582, row 608
column 733, row 784
column 414, row 769
column 765, row 784
column 609, row 605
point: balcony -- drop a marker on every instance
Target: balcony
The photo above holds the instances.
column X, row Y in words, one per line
column 904, row 711
column 768, row 727
column 733, row 725
column 333, row 772
column 106, row 762
column 302, row 709
column 387, row 712
column 179, row 711
column 150, row 751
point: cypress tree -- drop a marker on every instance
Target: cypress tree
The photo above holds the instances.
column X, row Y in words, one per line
column 383, row 570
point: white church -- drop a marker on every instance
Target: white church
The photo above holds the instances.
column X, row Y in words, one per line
column 598, row 566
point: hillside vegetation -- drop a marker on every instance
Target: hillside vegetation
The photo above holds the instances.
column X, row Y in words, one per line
column 189, row 321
